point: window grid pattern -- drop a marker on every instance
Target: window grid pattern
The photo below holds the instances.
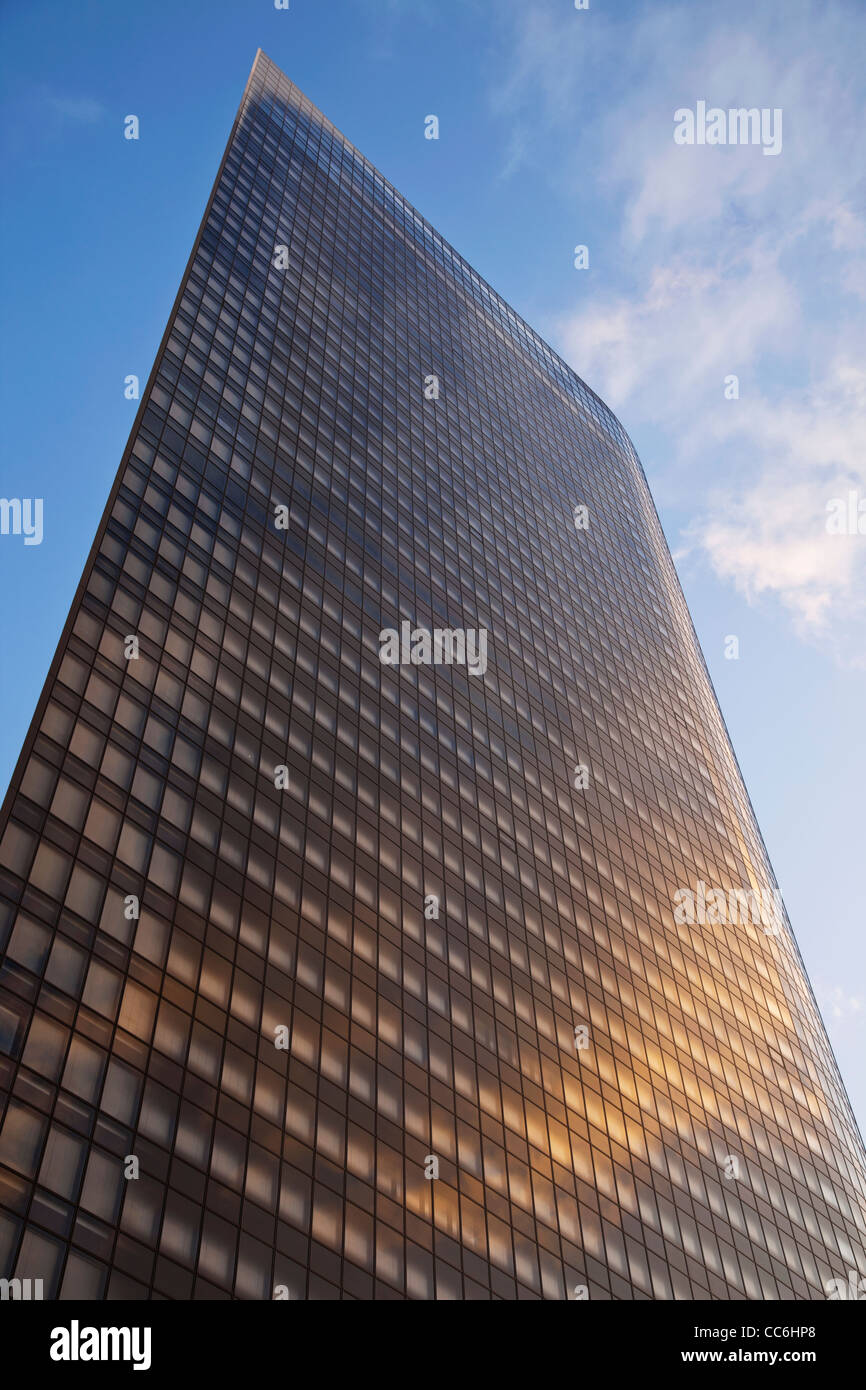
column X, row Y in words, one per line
column 559, row 1169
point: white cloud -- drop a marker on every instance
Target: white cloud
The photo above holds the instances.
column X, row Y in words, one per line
column 836, row 1003
column 769, row 535
column 727, row 262
column 695, row 323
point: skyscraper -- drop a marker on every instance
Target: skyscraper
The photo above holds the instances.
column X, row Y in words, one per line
column 384, row 913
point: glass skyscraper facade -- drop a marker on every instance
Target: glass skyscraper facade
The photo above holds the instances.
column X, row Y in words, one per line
column 330, row 977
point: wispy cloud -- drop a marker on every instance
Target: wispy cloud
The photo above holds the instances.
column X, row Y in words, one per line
column 79, row 110
column 727, row 263
column 837, row 1003
column 770, row 535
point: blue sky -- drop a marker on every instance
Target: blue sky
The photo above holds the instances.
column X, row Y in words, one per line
column 555, row 129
